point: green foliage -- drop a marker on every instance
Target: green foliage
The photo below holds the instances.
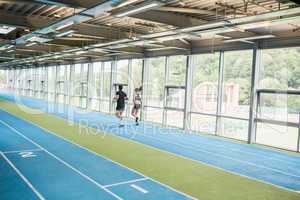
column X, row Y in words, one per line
column 281, row 70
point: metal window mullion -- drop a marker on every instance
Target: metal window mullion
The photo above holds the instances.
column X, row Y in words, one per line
column 130, row 86
column 298, row 144
column 112, row 81
column 145, row 83
column 55, row 89
column 101, row 88
column 188, row 92
column 220, row 92
column 256, row 63
column 71, row 85
column 90, row 78
column 164, row 121
column 47, row 79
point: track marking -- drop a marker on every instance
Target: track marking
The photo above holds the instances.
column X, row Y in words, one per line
column 210, row 165
column 27, row 154
column 63, row 162
column 23, row 177
column 142, row 190
column 20, row 151
column 102, row 156
column 126, row 182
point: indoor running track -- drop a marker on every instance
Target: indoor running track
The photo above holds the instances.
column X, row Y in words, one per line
column 37, row 164
column 261, row 164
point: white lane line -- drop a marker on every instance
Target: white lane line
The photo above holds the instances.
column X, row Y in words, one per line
column 126, row 182
column 142, row 190
column 23, row 177
column 60, row 160
column 22, row 151
column 102, row 156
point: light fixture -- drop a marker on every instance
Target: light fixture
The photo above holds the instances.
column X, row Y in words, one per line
column 66, row 33
column 65, row 25
column 80, row 52
column 5, row 47
column 4, row 29
column 245, row 39
column 36, row 38
column 30, row 44
column 139, row 8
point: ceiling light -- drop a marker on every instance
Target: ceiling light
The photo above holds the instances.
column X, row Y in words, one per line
column 6, row 29
column 139, row 8
column 38, row 39
column 7, row 46
column 70, row 23
column 245, row 39
column 30, row 44
column 65, row 33
column 80, row 52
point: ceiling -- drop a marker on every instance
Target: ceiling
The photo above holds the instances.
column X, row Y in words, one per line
column 47, row 31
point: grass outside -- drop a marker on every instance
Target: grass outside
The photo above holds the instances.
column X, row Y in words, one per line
column 193, row 178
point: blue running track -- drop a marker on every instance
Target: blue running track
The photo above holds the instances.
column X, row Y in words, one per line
column 266, row 165
column 41, row 165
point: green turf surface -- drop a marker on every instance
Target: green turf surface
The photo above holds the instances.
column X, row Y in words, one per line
column 188, row 176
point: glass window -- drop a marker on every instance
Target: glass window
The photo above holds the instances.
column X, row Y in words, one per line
column 122, row 72
column 96, row 80
column 106, row 80
column 279, row 107
column 237, row 83
column 205, row 83
column 154, row 114
column 232, row 128
column 279, row 112
column 276, row 135
column 156, row 81
column 177, row 70
column 203, row 123
column 137, row 68
column 175, row 118
column 280, row 69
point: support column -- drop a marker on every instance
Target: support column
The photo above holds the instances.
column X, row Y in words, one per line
column 298, row 145
column 253, row 95
column 164, row 121
column 220, row 92
column 188, row 92
column 101, row 88
column 130, row 88
column 112, row 81
column 145, row 75
column 89, row 82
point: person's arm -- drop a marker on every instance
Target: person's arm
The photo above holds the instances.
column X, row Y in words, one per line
column 133, row 99
column 116, row 96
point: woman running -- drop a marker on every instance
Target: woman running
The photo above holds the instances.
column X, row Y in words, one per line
column 137, row 102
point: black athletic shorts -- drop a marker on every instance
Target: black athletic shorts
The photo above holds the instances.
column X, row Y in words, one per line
column 120, row 107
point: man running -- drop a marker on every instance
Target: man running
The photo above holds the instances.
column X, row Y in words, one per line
column 120, row 97
column 137, row 102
